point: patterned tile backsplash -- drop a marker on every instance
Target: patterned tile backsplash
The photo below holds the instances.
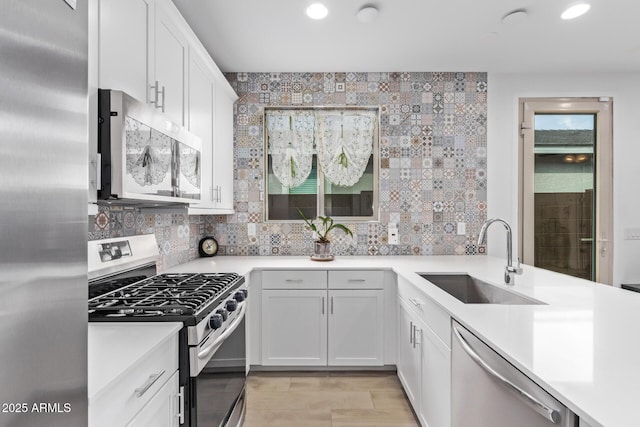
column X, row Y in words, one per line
column 432, row 161
column 176, row 232
column 432, row 169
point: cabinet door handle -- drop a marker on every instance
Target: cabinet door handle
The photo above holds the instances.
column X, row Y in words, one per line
column 323, row 306
column 180, row 413
column 150, row 381
column 164, row 94
column 416, row 301
column 410, row 332
column 154, row 87
column 293, row 280
column 356, row 280
column 415, row 339
column 331, row 305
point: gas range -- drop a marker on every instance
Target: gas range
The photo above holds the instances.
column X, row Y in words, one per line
column 124, row 287
column 181, row 297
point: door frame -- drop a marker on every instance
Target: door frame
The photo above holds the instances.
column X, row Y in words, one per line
column 603, row 239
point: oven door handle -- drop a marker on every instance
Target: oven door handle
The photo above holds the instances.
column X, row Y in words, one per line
column 208, row 351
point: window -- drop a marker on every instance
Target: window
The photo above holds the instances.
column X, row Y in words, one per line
column 322, row 161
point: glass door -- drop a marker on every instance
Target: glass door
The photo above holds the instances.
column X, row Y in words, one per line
column 566, row 198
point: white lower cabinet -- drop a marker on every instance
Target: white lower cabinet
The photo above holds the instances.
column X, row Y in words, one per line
column 409, row 354
column 424, row 357
column 307, row 323
column 355, row 324
column 435, row 390
column 133, row 375
column 294, row 327
column 161, row 410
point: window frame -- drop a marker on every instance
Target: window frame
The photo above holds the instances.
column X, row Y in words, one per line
column 320, row 188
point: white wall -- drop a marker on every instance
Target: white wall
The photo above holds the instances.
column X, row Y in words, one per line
column 502, row 159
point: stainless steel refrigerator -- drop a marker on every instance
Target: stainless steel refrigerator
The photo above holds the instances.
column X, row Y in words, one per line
column 43, row 213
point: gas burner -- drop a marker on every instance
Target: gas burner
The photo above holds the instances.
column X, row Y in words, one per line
column 165, row 295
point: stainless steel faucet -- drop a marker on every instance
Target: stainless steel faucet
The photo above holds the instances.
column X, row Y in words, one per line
column 509, row 269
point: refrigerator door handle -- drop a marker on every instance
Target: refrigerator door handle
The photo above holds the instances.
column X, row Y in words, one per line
column 547, row 412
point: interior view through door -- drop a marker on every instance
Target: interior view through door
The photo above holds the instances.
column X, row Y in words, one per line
column 566, row 196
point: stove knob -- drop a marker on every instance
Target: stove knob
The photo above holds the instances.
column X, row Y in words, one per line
column 231, row 305
column 245, row 292
column 239, row 296
column 222, row 312
column 215, row 321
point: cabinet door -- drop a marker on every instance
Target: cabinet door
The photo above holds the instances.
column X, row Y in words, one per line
column 435, row 398
column 201, row 103
column 356, row 327
column 223, row 147
column 162, row 410
column 294, row 327
column 124, row 35
column 409, row 354
column 170, row 59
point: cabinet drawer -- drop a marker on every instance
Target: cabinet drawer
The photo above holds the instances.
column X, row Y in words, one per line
column 294, row 279
column 162, row 409
column 435, row 317
column 125, row 397
column 356, row 279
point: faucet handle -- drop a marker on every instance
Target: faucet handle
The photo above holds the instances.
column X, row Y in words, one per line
column 518, row 269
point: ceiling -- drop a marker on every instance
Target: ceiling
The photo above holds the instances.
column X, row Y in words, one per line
column 417, row 35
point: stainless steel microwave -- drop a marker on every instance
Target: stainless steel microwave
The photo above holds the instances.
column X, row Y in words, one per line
column 143, row 156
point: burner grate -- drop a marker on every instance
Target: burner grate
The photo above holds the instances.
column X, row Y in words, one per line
column 164, row 295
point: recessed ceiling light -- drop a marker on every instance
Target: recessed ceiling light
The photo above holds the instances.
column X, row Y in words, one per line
column 575, row 11
column 317, row 11
column 367, row 14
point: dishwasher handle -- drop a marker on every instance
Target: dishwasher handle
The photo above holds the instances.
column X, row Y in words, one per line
column 547, row 412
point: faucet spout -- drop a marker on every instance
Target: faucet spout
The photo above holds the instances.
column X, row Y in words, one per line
column 510, row 270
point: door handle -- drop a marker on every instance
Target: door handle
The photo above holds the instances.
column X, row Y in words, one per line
column 547, row 412
column 180, row 413
column 153, row 378
column 410, row 332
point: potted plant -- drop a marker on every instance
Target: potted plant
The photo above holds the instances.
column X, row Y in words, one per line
column 322, row 248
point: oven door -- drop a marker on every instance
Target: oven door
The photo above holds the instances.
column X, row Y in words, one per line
column 218, row 388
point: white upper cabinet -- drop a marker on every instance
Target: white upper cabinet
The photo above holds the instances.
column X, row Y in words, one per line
column 201, row 111
column 167, row 80
column 223, row 150
column 147, row 49
column 125, row 35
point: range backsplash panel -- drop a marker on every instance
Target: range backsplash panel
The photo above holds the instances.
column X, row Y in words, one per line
column 176, row 232
column 432, row 161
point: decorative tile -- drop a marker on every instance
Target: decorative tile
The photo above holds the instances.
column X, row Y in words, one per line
column 432, row 168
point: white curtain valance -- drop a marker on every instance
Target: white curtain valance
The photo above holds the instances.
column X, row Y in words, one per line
column 290, row 136
column 344, row 143
column 342, row 140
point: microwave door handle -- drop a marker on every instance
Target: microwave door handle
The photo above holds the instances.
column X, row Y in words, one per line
column 208, row 351
column 549, row 413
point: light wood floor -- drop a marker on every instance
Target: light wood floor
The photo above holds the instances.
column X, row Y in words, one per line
column 326, row 399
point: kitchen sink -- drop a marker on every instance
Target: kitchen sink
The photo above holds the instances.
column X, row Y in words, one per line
column 471, row 290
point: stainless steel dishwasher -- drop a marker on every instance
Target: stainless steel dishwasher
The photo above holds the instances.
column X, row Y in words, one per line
column 488, row 391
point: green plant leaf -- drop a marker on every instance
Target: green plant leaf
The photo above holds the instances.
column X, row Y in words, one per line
column 327, row 224
column 344, row 228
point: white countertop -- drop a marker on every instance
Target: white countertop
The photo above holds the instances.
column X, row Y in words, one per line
column 583, row 347
column 114, row 346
